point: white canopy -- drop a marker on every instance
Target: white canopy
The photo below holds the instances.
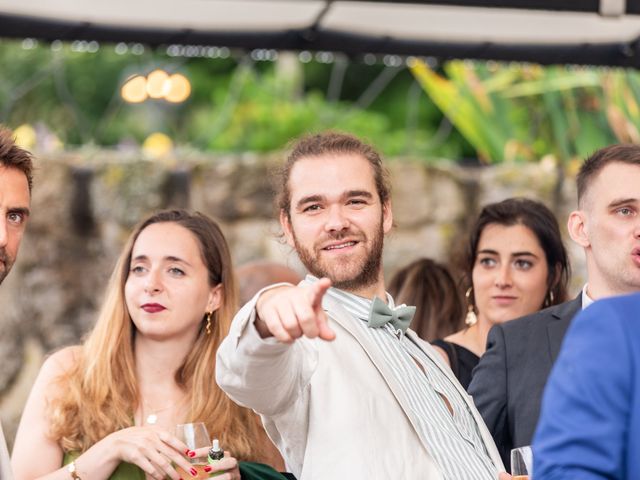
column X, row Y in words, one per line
column 600, row 32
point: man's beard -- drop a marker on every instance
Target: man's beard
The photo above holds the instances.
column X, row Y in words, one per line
column 367, row 274
column 5, row 265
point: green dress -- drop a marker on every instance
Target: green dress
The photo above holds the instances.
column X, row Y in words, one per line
column 248, row 470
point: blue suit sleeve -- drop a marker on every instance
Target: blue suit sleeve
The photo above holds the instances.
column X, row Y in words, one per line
column 585, row 409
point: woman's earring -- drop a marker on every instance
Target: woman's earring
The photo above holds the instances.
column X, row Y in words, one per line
column 208, row 326
column 548, row 301
column 471, row 318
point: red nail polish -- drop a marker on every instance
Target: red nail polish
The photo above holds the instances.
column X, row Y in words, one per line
column 207, row 469
column 193, row 472
column 186, row 452
column 191, row 453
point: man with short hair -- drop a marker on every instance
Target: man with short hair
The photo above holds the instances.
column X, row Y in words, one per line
column 15, row 197
column 508, row 382
column 343, row 388
column 16, row 174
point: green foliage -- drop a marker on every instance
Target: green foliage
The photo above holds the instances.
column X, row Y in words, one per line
column 265, row 114
column 499, row 112
column 235, row 105
column 513, row 112
column 66, row 90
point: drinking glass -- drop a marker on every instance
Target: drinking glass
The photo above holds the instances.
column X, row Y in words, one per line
column 522, row 463
column 195, row 436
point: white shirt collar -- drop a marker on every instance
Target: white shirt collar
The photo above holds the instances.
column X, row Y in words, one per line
column 586, row 299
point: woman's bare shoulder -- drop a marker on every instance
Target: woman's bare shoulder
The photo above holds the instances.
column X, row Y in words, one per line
column 442, row 353
column 61, row 361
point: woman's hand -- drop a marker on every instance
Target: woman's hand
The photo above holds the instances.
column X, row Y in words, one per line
column 224, row 469
column 228, row 465
column 152, row 449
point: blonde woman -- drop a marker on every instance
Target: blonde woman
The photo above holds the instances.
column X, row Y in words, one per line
column 107, row 409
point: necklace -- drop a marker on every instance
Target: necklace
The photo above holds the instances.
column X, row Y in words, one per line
column 152, row 418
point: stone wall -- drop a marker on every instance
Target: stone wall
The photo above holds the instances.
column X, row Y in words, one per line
column 85, row 203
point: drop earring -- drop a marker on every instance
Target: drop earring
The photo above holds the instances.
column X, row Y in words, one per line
column 548, row 301
column 208, row 325
column 471, row 318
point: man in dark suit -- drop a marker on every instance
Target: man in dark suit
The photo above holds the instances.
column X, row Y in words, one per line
column 15, row 198
column 508, row 382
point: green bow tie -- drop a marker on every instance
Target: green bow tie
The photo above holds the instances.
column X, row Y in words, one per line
column 380, row 314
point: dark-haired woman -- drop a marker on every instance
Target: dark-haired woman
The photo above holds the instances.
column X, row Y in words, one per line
column 515, row 264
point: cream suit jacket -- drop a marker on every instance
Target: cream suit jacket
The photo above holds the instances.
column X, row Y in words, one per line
column 333, row 409
column 5, row 462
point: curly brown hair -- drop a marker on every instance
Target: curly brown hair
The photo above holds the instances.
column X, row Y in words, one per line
column 13, row 156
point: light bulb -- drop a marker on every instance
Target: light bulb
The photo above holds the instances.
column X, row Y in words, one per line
column 179, row 88
column 157, row 83
column 134, row 89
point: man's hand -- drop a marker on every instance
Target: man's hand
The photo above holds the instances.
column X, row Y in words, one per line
column 504, row 476
column 288, row 313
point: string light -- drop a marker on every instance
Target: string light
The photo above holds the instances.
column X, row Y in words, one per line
column 173, row 50
column 216, row 52
column 200, row 51
column 158, row 84
column 121, row 48
column 392, row 60
column 134, row 89
column 264, row 55
column 29, row 43
column 179, row 88
column 369, row 59
column 305, row 56
column 324, row 57
column 137, row 49
column 431, row 61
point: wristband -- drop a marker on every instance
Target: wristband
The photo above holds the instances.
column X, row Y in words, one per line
column 71, row 468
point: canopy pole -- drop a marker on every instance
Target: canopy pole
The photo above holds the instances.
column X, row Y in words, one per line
column 613, row 8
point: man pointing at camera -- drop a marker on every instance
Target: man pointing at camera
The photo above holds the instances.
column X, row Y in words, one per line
column 343, row 388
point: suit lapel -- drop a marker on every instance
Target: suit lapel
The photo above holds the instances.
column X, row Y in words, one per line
column 347, row 321
column 557, row 328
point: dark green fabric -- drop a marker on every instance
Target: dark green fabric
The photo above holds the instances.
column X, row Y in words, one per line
column 259, row 471
column 125, row 471
column 248, row 470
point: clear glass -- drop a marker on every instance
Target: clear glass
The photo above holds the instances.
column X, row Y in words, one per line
column 522, row 463
column 195, row 436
